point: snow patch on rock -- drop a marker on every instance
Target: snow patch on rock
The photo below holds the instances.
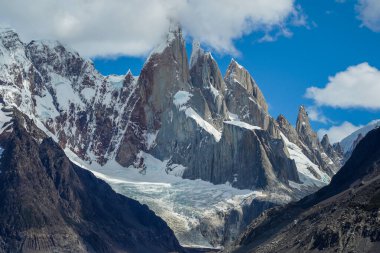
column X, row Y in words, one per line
column 305, row 167
column 203, row 123
column 243, row 125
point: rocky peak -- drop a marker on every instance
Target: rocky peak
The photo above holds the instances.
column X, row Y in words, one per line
column 129, row 79
column 325, row 141
column 302, row 119
column 205, row 71
column 304, row 130
column 10, row 39
column 206, row 76
column 53, row 57
column 238, row 75
column 287, row 129
column 338, row 148
column 326, row 157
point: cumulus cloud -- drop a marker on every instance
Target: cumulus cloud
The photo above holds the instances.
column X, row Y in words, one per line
column 315, row 114
column 134, row 27
column 356, row 87
column 338, row 133
column 369, row 13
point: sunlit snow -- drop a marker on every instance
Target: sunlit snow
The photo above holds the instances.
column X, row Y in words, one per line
column 184, row 204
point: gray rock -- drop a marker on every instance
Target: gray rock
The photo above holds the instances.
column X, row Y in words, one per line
column 244, row 98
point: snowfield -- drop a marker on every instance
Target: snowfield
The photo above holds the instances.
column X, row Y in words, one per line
column 186, row 205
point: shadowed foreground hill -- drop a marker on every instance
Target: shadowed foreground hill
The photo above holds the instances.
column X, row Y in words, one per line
column 341, row 217
column 48, row 204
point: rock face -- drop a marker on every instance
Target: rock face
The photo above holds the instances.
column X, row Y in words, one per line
column 341, row 217
column 48, row 204
column 334, row 152
column 312, row 147
column 217, row 128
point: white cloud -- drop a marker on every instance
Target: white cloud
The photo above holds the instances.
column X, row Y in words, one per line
column 134, row 27
column 356, row 87
column 315, row 114
column 369, row 13
column 337, row 133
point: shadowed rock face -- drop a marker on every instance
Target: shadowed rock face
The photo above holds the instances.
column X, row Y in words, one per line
column 48, row 204
column 341, row 217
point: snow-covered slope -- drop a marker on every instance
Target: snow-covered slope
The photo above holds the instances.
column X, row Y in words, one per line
column 197, row 211
column 311, row 176
column 349, row 142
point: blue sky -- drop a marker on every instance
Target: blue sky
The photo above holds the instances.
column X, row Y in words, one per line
column 332, row 40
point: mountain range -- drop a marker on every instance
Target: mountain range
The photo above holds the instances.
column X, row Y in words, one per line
column 179, row 121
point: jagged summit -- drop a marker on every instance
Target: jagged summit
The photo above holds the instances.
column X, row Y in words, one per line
column 302, row 119
column 325, row 140
column 233, row 62
column 304, row 129
column 237, row 75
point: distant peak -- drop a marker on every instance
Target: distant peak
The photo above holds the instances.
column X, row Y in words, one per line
column 129, row 73
column 325, row 140
column 303, row 119
column 302, row 113
column 51, row 44
column 235, row 64
column 281, row 120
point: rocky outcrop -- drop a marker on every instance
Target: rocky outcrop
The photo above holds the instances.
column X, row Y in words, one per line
column 48, row 204
column 341, row 217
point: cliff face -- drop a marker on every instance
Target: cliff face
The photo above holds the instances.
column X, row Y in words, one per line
column 48, row 204
column 341, row 217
